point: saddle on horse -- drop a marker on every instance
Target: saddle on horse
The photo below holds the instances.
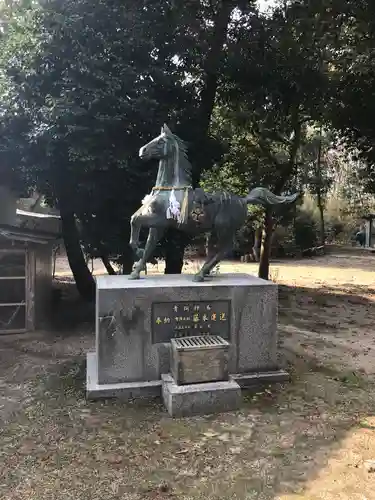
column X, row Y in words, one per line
column 200, row 200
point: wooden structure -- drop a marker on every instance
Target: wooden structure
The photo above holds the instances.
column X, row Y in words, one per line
column 25, row 278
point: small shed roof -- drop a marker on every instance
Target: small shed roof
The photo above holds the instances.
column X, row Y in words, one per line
column 26, row 235
column 37, row 215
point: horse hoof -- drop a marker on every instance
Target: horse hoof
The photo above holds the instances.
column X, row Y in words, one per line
column 198, row 278
column 134, row 276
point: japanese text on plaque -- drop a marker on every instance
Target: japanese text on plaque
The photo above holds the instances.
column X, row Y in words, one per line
column 185, row 319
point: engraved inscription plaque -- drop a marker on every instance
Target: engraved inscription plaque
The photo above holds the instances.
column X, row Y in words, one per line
column 186, row 319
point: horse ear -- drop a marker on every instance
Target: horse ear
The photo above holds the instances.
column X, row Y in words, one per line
column 166, row 129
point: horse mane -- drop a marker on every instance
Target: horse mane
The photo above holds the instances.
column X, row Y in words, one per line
column 184, row 164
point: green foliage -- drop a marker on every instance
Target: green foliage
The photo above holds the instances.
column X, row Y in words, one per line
column 297, row 232
column 90, row 89
column 305, row 229
column 350, row 55
column 85, row 83
column 318, row 162
column 275, row 84
column 341, row 222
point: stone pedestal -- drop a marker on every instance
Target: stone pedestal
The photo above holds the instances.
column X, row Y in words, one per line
column 135, row 321
column 200, row 399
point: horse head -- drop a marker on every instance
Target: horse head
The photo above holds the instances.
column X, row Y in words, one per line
column 160, row 148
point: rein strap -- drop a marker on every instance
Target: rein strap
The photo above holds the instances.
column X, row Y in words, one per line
column 170, row 188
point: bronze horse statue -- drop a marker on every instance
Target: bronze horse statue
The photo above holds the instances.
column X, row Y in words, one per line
column 174, row 203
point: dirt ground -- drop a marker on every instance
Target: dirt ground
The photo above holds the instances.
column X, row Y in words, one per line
column 313, row 438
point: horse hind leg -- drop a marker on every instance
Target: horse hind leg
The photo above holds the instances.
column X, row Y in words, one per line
column 225, row 244
column 135, row 229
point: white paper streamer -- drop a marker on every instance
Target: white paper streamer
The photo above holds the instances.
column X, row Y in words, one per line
column 173, row 211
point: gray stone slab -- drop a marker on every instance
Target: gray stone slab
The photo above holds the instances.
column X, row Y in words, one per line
column 254, row 329
column 163, row 353
column 172, row 280
column 124, row 391
column 124, row 332
column 200, row 399
column 249, row 380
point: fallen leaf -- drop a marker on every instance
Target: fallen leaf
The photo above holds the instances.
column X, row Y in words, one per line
column 163, row 487
column 210, row 434
column 224, row 437
column 235, row 450
column 114, row 459
column 114, row 487
column 187, row 473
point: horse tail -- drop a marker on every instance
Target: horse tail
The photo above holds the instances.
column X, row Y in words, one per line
column 264, row 197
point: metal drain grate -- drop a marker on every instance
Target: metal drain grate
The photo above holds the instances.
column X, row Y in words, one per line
column 201, row 341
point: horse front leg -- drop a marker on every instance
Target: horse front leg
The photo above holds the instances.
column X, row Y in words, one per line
column 154, row 236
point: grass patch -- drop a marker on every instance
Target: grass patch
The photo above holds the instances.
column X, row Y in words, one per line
column 305, row 440
column 68, row 448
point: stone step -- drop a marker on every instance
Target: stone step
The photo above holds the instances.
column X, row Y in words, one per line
column 200, row 399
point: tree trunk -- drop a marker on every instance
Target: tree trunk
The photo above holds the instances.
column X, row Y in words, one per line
column 63, row 191
column 257, row 244
column 321, row 217
column 127, row 260
column 286, row 172
column 264, row 263
column 320, row 202
column 212, row 64
column 82, row 276
column 208, row 94
column 175, row 258
column 108, row 265
column 174, row 251
column 174, row 262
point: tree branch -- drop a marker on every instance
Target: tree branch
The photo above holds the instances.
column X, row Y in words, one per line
column 263, row 146
column 293, row 151
column 267, row 153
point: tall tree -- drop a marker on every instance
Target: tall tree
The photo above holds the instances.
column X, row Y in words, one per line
column 93, row 87
column 202, row 35
column 276, row 86
column 318, row 166
column 353, row 78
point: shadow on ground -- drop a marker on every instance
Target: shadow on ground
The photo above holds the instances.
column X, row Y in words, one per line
column 305, row 440
column 69, row 311
column 332, row 325
column 279, row 444
column 361, row 262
